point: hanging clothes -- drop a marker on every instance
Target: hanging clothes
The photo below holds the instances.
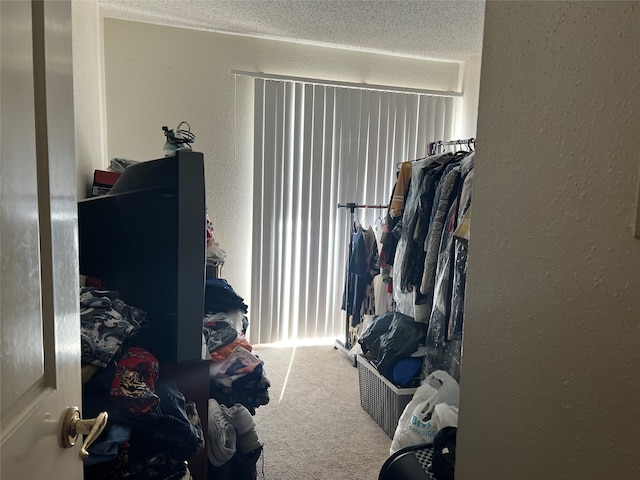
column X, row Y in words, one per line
column 396, row 208
column 383, row 298
column 438, row 319
column 461, row 238
column 363, row 265
column 424, row 254
column 392, row 225
column 373, row 269
column 444, row 197
column 429, row 270
column 418, row 224
column 444, row 338
column 403, row 290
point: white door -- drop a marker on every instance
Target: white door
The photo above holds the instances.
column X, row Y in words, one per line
column 39, row 316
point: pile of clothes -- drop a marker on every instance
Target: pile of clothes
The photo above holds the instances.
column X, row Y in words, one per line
column 236, row 375
column 237, row 385
column 106, row 322
column 152, row 429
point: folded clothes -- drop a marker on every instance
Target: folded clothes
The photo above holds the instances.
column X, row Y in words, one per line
column 225, row 352
column 105, row 323
column 218, row 332
column 220, row 297
column 250, row 390
column 240, row 362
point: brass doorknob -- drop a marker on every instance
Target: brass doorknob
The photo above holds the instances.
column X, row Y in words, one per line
column 73, row 425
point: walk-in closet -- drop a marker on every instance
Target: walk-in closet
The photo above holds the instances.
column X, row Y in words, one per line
column 335, row 240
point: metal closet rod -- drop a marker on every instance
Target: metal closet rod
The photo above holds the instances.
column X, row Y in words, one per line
column 457, row 142
column 355, row 205
column 432, row 147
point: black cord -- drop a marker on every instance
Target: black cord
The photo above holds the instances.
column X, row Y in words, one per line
column 263, row 477
column 185, row 134
column 180, row 137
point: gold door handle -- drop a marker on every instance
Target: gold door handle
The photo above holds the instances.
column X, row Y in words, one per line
column 73, row 425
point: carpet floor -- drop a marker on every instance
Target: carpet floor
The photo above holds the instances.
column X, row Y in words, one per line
column 314, row 427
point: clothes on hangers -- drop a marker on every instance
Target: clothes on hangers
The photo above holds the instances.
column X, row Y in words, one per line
column 403, row 288
column 429, row 267
column 444, row 340
column 424, row 252
column 444, row 197
column 400, row 190
column 461, row 235
column 362, row 267
column 418, row 226
column 383, row 301
column 392, row 225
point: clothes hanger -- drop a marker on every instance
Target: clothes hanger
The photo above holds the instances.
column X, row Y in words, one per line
column 378, row 220
column 356, row 222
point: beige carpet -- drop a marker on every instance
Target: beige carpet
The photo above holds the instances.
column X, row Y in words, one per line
column 314, row 427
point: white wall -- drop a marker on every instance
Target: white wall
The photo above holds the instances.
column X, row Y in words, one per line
column 550, row 376
column 159, row 76
column 467, row 107
column 88, row 80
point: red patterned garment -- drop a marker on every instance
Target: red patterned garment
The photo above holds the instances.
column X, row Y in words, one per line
column 133, row 385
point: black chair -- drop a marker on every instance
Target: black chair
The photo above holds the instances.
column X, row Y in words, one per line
column 409, row 463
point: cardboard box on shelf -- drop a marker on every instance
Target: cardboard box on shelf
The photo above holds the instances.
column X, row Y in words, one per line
column 103, row 181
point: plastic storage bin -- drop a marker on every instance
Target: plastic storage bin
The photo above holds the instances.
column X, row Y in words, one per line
column 380, row 398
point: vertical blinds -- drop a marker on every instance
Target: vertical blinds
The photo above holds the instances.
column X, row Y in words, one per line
column 316, row 146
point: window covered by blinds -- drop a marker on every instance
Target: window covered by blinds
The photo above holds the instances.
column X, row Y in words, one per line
column 316, row 146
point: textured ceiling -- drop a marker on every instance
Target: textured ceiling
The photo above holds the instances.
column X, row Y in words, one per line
column 428, row 29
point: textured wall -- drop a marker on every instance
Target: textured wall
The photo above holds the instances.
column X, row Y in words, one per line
column 88, row 92
column 551, row 368
column 159, row 76
column 467, row 107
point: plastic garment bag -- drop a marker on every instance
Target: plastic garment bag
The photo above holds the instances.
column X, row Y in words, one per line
column 391, row 337
column 400, row 341
column 437, row 336
column 370, row 338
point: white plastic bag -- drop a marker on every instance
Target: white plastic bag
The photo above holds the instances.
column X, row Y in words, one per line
column 448, row 388
column 445, row 415
column 417, row 424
